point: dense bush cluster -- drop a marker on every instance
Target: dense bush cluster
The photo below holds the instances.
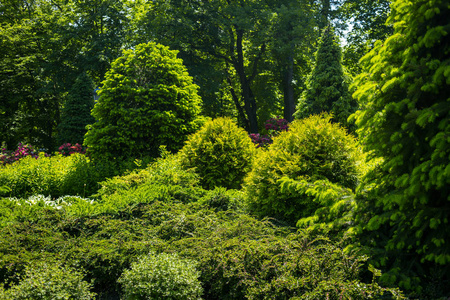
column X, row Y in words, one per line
column 220, row 152
column 161, row 276
column 23, row 150
column 43, row 281
column 313, row 151
column 147, row 99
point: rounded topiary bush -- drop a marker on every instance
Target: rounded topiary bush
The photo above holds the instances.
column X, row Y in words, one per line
column 315, row 151
column 45, row 281
column 162, row 276
column 148, row 99
column 220, row 152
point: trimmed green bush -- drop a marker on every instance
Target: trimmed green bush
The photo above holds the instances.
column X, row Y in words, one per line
column 148, row 99
column 220, row 152
column 162, row 276
column 314, row 149
column 43, row 281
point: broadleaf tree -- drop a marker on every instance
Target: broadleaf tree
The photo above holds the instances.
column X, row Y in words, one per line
column 147, row 100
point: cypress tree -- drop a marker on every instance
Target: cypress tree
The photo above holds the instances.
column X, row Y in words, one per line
column 76, row 113
column 404, row 92
column 327, row 86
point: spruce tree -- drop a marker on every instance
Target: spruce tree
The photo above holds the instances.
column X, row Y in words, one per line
column 327, row 86
column 404, row 92
column 76, row 113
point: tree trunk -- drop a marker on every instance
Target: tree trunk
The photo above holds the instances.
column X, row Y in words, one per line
column 247, row 94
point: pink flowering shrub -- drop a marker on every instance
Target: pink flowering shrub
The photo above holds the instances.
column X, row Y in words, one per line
column 273, row 126
column 276, row 125
column 261, row 140
column 23, row 150
column 67, row 149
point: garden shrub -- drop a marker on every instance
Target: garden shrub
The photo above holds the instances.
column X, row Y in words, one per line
column 57, row 175
column 45, row 281
column 243, row 258
column 23, row 150
column 221, row 199
column 148, row 99
column 238, row 256
column 220, row 152
column 161, row 276
column 313, row 149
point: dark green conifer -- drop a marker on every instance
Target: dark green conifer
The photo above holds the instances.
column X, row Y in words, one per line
column 404, row 92
column 327, row 86
column 76, row 113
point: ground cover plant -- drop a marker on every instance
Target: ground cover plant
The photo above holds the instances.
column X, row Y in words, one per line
column 237, row 256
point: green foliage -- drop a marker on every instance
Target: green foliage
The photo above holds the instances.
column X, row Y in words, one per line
column 147, row 100
column 57, row 175
column 404, row 90
column 312, row 150
column 161, row 276
column 76, row 112
column 327, row 86
column 49, row 281
column 220, row 152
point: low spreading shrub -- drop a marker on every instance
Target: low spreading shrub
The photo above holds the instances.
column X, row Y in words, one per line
column 220, row 152
column 43, row 281
column 314, row 149
column 161, row 276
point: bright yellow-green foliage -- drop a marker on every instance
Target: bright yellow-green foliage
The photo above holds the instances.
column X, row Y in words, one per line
column 404, row 91
column 54, row 176
column 312, row 150
column 45, row 175
column 220, row 152
column 148, row 99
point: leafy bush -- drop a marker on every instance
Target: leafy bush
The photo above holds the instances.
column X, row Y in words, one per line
column 23, row 150
column 147, row 100
column 57, row 175
column 274, row 127
column 238, row 256
column 220, row 152
column 67, row 149
column 313, row 149
column 162, row 276
column 44, row 281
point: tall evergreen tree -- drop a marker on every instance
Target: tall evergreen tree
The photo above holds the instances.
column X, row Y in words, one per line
column 76, row 113
column 404, row 92
column 327, row 86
